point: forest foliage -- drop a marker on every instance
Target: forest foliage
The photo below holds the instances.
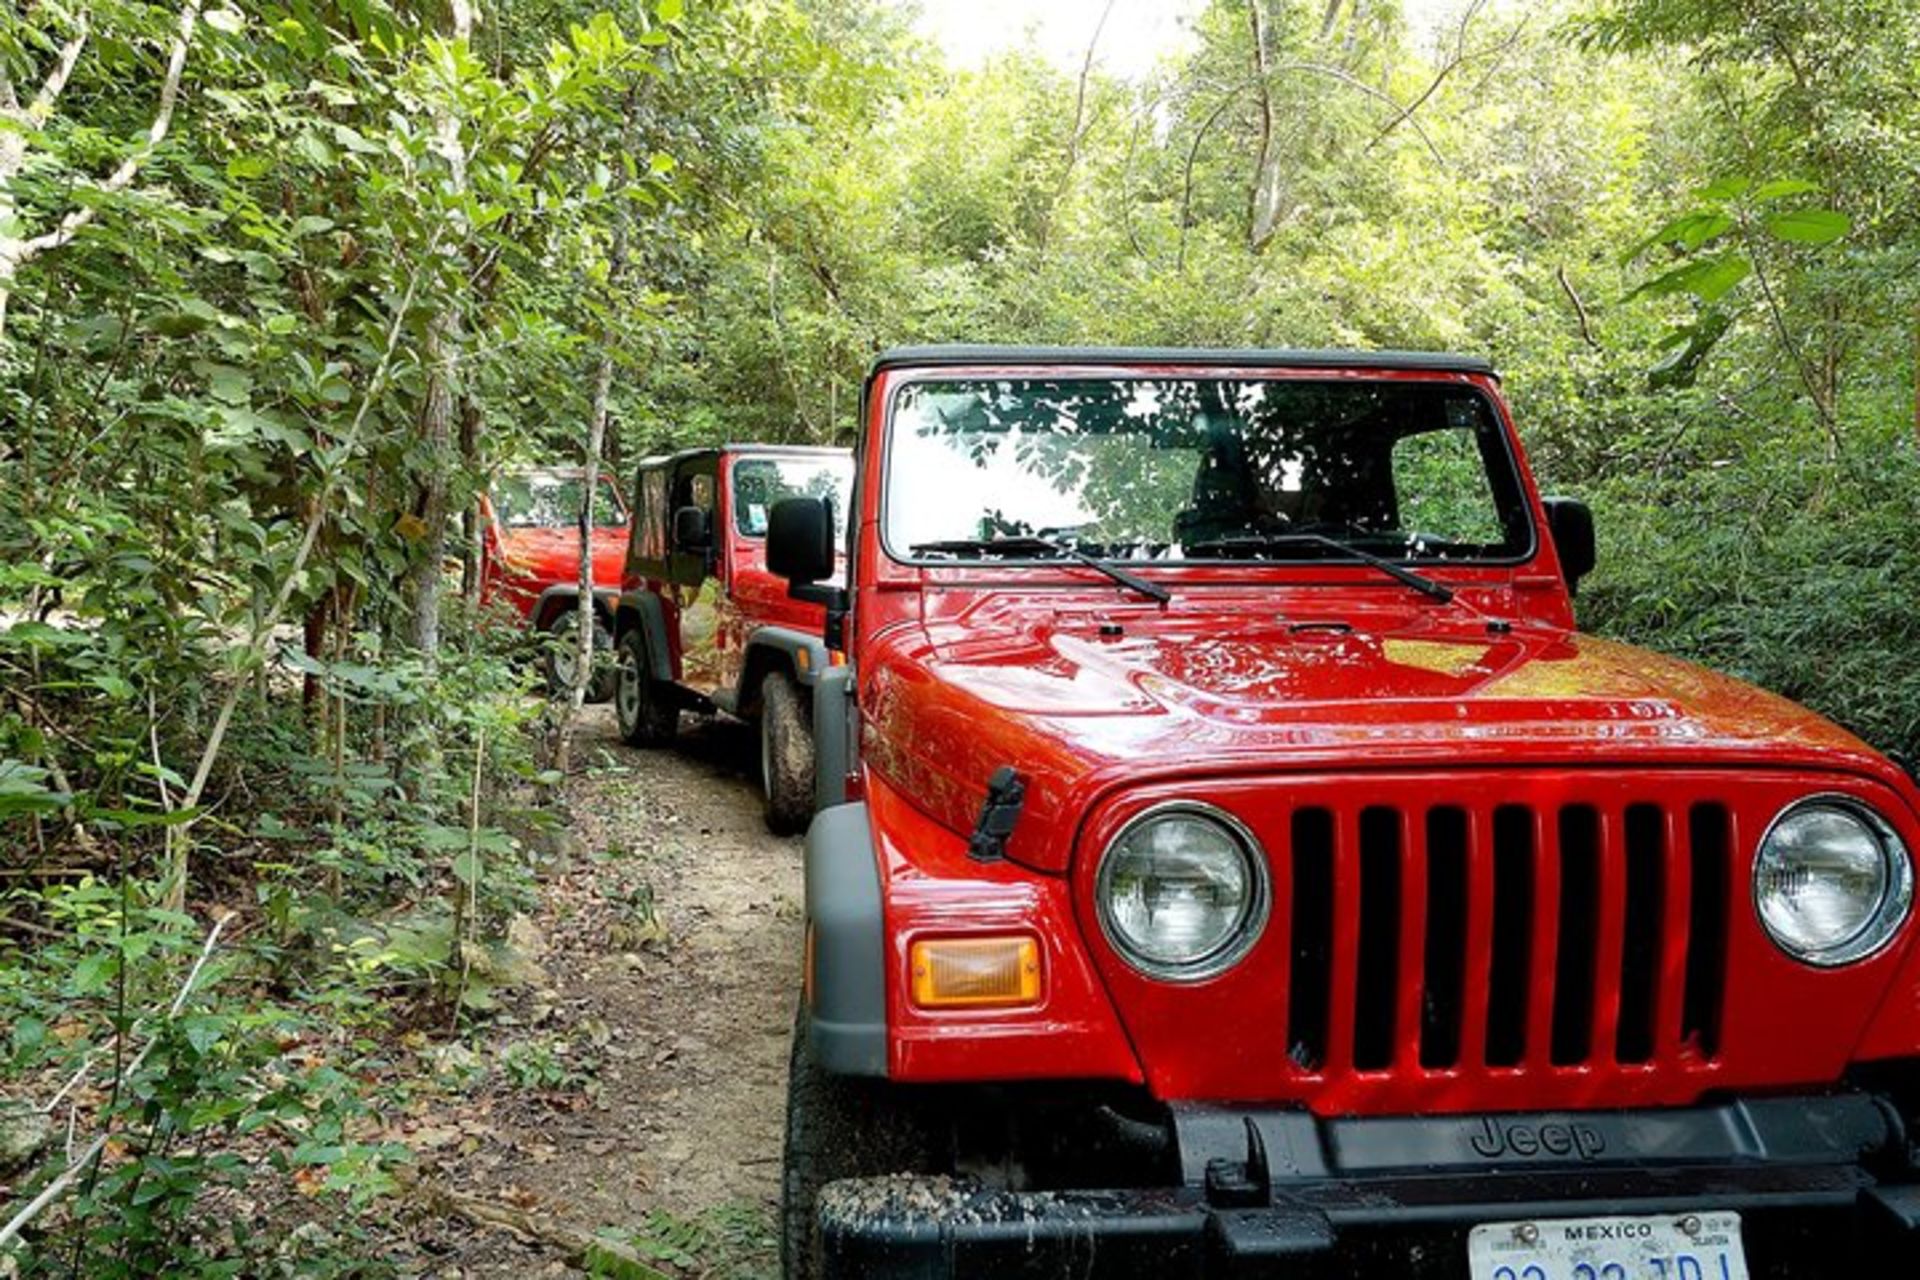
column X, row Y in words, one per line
column 283, row 282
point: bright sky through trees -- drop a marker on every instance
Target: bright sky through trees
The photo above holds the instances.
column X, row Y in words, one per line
column 1137, row 34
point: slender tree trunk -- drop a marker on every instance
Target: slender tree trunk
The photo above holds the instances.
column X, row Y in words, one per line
column 441, row 352
column 583, row 632
column 430, row 506
column 1263, row 200
column 596, row 442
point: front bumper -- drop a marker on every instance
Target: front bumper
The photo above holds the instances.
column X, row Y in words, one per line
column 1280, row 1193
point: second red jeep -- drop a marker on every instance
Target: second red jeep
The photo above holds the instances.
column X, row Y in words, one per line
column 702, row 626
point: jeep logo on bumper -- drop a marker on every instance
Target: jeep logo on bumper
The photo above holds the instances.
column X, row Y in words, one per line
column 1493, row 1139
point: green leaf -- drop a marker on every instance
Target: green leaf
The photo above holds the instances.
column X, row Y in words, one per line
column 602, row 1260
column 1810, row 226
column 23, row 790
column 202, row 1031
column 1687, row 233
column 144, row 817
column 672, row 10
column 228, row 384
column 1784, row 188
column 1708, row 279
column 112, row 685
column 94, row 972
column 317, row 149
column 467, row 868
column 1725, row 189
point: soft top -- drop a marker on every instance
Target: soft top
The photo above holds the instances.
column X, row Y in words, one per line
column 656, row 460
column 1224, row 357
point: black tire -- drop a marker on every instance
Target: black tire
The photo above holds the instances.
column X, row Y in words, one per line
column 558, row 663
column 840, row 1127
column 786, row 755
column 640, row 704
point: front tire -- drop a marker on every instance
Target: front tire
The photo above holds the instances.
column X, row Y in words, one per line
column 786, row 755
column 640, row 706
column 843, row 1127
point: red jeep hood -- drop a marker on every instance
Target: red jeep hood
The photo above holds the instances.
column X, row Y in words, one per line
column 1082, row 701
column 553, row 555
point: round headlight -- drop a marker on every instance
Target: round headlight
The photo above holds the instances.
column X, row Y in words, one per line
column 1831, row 883
column 1182, row 892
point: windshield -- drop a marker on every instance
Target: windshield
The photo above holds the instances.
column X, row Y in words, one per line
column 1183, row 469
column 758, row 483
column 535, row 500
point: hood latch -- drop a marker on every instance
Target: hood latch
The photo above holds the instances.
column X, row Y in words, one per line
column 1006, row 792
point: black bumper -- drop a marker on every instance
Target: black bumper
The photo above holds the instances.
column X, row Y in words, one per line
column 1824, row 1187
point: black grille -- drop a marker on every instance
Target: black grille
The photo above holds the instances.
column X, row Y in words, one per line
column 1449, row 936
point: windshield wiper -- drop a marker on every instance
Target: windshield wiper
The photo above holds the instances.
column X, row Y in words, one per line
column 1258, row 541
column 1028, row 543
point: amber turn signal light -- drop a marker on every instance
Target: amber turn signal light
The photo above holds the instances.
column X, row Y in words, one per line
column 975, row 973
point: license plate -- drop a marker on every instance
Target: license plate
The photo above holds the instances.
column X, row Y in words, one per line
column 1696, row 1246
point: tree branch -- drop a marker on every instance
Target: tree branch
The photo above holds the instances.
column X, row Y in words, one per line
column 1078, row 133
column 1234, row 91
column 1579, row 307
column 122, row 177
column 56, row 80
column 1461, row 57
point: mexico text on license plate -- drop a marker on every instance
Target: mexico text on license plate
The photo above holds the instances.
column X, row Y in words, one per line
column 1684, row 1246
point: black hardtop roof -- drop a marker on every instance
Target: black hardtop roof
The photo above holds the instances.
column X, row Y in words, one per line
column 951, row 355
column 715, row 450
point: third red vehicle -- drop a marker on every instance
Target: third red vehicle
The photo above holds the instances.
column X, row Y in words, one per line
column 530, row 560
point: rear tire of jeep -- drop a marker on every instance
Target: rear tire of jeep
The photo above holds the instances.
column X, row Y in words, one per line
column 645, row 717
column 843, row 1127
column 559, row 663
column 786, row 755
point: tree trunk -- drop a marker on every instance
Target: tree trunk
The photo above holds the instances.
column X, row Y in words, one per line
column 430, row 506
column 441, row 353
column 1263, row 200
column 583, row 631
column 596, row 441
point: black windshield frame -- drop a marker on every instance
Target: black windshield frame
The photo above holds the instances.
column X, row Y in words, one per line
column 1509, row 475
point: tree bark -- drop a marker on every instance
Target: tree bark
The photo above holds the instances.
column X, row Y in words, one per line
column 596, row 441
column 441, row 352
column 1263, row 200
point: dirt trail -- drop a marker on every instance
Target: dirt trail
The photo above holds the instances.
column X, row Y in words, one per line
column 668, row 943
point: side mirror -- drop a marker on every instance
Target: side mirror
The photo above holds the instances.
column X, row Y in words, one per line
column 800, row 540
column 691, row 530
column 1571, row 523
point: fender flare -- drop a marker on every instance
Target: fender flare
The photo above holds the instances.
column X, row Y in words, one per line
column 562, row 595
column 790, row 643
column 807, row 657
column 847, row 1011
column 642, row 609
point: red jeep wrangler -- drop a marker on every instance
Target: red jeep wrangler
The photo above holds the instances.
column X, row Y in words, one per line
column 1232, row 860
column 702, row 626
column 530, row 559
